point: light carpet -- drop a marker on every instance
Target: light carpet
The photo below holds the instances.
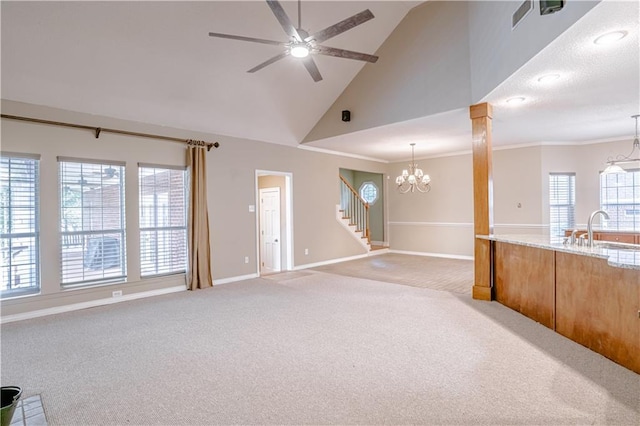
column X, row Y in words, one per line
column 438, row 273
column 313, row 349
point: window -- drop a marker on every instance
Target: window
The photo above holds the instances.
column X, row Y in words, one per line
column 369, row 192
column 620, row 198
column 163, row 222
column 92, row 225
column 19, row 217
column 562, row 203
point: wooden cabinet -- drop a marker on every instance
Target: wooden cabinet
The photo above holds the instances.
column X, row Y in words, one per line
column 598, row 306
column 581, row 297
column 524, row 281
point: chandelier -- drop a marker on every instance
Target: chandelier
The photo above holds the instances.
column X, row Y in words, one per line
column 414, row 178
column 613, row 165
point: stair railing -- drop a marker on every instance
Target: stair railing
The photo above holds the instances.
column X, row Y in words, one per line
column 354, row 208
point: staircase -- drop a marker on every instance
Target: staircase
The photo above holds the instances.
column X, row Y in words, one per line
column 353, row 213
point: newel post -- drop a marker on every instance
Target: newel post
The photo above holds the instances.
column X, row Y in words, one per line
column 481, row 115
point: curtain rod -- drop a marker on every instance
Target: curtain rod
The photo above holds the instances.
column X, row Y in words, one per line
column 98, row 130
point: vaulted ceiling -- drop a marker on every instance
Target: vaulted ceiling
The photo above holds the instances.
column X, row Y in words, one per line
column 154, row 62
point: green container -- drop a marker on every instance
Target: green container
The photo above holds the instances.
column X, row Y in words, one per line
column 10, row 397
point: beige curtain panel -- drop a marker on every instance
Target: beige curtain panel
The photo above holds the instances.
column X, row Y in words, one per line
column 199, row 268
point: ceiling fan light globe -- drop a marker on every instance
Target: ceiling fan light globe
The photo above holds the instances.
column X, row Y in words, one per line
column 299, row 51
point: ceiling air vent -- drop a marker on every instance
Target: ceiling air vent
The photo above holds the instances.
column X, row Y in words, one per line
column 522, row 11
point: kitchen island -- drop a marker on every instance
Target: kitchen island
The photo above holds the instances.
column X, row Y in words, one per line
column 589, row 294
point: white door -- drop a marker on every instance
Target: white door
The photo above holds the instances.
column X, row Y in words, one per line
column 270, row 230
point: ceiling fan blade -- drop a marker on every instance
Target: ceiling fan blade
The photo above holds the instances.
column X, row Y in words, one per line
column 348, row 54
column 242, row 38
column 341, row 26
column 284, row 20
column 269, row 62
column 310, row 65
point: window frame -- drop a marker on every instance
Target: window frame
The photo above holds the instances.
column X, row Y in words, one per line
column 84, row 236
column 156, row 228
column 377, row 197
column 613, row 223
column 570, row 223
column 35, row 233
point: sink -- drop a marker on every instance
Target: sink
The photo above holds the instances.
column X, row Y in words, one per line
column 616, row 246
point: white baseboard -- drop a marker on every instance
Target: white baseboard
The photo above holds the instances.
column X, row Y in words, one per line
column 422, row 253
column 90, row 304
column 329, row 262
column 234, row 279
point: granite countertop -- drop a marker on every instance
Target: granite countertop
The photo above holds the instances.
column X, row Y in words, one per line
column 618, row 255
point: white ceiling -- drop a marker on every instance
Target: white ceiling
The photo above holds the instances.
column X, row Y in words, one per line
column 154, row 62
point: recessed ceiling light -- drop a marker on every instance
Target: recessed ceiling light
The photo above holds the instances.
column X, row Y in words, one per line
column 517, row 100
column 548, row 78
column 611, row 37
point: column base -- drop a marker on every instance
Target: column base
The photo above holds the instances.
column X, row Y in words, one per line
column 481, row 293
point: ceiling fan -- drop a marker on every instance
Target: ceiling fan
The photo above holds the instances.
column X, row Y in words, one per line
column 301, row 44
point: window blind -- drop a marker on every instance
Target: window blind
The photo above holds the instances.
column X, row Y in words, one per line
column 19, row 224
column 163, row 220
column 620, row 198
column 562, row 203
column 92, row 223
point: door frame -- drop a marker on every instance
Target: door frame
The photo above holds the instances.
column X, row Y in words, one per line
column 286, row 231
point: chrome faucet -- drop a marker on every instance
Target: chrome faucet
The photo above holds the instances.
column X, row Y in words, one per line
column 572, row 240
column 590, row 225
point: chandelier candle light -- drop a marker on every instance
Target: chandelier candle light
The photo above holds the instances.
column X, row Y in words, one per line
column 414, row 178
column 613, row 165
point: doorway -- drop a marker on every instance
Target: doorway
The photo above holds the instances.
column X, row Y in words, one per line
column 274, row 222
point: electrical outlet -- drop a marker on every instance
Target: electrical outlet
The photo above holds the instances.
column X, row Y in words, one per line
column 306, row 252
column 246, row 259
column 116, row 293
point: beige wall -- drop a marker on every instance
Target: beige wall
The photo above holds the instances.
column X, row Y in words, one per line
column 231, row 190
column 441, row 221
column 586, row 161
column 518, row 192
